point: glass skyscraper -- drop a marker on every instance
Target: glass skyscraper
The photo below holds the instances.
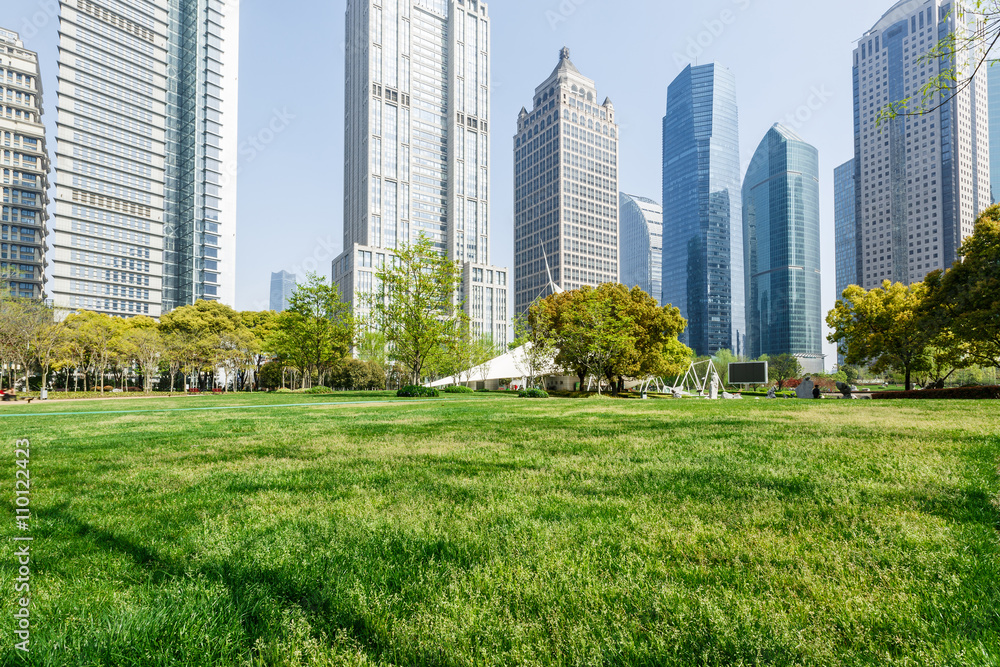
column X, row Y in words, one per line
column 24, row 166
column 565, row 187
column 145, row 216
column 640, row 252
column 845, row 223
column 921, row 180
column 703, row 230
column 781, row 235
column 993, row 81
column 845, row 219
column 282, row 287
column 417, row 147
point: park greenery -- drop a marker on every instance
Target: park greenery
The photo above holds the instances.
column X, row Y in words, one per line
column 932, row 329
column 488, row 530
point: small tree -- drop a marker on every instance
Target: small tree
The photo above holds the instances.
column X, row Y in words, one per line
column 414, row 305
column 782, row 368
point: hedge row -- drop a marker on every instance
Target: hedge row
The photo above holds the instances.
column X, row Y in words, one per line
column 417, row 392
column 974, row 393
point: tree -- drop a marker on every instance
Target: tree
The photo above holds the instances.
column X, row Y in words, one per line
column 47, row 340
column 98, row 334
column 964, row 302
column 144, row 346
column 783, row 368
column 613, row 333
column 533, row 336
column 414, row 305
column 722, row 360
column 882, row 327
column 316, row 331
column 196, row 331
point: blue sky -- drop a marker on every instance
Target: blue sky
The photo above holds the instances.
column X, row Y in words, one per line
column 791, row 59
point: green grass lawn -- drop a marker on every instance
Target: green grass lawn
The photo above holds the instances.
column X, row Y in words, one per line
column 490, row 530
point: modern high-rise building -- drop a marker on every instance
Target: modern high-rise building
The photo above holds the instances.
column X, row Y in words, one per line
column 782, row 250
column 921, row 179
column 145, row 215
column 282, row 286
column 703, row 225
column 566, row 188
column 417, row 160
column 25, row 169
column 640, row 231
column 846, row 229
column 845, row 223
column 993, row 85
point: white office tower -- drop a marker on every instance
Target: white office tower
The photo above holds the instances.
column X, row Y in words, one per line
column 566, row 188
column 417, row 147
column 921, row 180
column 24, row 165
column 145, row 215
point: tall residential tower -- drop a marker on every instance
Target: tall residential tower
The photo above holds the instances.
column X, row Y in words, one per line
column 145, row 216
column 782, row 250
column 703, row 225
column 417, row 161
column 24, row 164
column 921, row 180
column 566, row 187
column 641, row 244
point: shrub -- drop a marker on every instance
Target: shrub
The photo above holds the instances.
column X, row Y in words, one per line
column 283, row 390
column 216, row 390
column 532, row 393
column 108, row 387
column 194, row 391
column 317, row 390
column 458, row 389
column 417, row 392
column 966, row 393
column 793, row 383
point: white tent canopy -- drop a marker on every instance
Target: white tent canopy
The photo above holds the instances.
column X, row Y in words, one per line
column 512, row 365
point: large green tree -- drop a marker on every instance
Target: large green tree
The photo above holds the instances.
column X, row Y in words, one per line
column 964, row 301
column 782, row 368
column 882, row 328
column 415, row 306
column 316, row 331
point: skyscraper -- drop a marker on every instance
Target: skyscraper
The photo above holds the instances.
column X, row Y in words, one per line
column 782, row 250
column 993, row 85
column 640, row 228
column 921, row 180
column 417, row 147
column 24, row 163
column 282, row 287
column 845, row 223
column 566, row 187
column 145, row 214
column 703, row 225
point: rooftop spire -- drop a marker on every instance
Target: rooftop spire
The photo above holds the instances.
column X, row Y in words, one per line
column 564, row 53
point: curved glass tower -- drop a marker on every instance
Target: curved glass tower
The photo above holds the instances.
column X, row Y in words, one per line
column 703, row 254
column 781, row 232
column 640, row 238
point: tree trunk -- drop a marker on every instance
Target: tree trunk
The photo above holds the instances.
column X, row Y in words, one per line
column 908, row 384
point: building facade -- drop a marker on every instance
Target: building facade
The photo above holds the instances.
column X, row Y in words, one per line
column 703, row 228
column 921, row 180
column 993, row 86
column 417, row 147
column 282, row 287
column 24, row 162
column 566, row 188
column 845, row 224
column 145, row 212
column 640, row 229
column 781, row 236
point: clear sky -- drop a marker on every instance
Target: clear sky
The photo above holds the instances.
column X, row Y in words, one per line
column 791, row 59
